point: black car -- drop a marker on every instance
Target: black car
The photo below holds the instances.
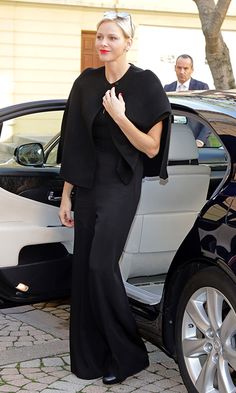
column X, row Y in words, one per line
column 179, row 262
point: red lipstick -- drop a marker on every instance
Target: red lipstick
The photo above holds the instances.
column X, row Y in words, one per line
column 103, row 51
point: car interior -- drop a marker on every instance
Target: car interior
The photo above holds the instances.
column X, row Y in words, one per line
column 165, row 215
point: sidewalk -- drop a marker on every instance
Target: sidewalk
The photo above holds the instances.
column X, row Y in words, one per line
column 34, row 349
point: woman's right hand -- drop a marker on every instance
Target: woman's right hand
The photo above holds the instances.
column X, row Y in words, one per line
column 65, row 213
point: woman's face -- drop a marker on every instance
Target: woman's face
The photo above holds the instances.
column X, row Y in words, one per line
column 111, row 44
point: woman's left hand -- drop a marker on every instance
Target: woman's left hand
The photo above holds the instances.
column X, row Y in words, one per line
column 114, row 105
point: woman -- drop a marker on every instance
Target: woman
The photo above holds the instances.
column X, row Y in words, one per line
column 116, row 115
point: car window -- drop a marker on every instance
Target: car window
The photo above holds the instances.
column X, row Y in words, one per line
column 37, row 127
column 212, row 152
column 51, row 158
column 200, row 130
column 213, row 141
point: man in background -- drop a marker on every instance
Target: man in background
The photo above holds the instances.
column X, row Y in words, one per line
column 184, row 69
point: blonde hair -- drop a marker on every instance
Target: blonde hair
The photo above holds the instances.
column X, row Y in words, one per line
column 122, row 19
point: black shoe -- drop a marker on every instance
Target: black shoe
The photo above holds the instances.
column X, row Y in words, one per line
column 110, row 379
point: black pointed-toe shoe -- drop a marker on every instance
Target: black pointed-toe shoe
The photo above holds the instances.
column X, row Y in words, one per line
column 111, row 379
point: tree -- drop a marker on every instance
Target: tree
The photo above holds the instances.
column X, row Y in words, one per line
column 212, row 16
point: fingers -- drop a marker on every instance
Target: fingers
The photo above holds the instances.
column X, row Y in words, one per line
column 113, row 92
column 121, row 99
column 112, row 104
column 66, row 219
column 106, row 97
column 110, row 95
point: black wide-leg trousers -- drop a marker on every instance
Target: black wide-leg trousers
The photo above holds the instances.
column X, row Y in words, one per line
column 103, row 332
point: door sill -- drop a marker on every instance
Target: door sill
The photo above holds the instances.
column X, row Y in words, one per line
column 149, row 294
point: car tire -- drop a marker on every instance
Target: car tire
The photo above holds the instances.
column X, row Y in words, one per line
column 206, row 332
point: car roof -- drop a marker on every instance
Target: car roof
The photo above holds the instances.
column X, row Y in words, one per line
column 206, row 101
column 25, row 108
column 197, row 101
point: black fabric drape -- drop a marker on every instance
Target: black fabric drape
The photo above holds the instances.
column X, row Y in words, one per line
column 146, row 104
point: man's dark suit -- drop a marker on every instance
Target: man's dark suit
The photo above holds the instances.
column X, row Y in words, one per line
column 194, row 85
column 200, row 131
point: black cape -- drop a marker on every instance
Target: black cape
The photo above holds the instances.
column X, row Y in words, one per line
column 146, row 104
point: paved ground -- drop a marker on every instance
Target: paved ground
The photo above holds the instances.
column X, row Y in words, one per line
column 35, row 357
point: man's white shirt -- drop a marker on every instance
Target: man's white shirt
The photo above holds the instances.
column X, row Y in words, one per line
column 183, row 86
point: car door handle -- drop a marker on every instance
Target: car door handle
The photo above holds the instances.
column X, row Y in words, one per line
column 52, row 197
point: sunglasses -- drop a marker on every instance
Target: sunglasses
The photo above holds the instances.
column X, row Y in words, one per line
column 114, row 15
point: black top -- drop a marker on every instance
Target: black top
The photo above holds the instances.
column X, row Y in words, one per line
column 146, row 104
column 101, row 133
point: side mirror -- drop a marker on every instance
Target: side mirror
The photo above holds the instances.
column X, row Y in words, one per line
column 29, row 154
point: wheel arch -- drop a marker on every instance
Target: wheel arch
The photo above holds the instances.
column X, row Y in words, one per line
column 205, row 331
column 172, row 291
